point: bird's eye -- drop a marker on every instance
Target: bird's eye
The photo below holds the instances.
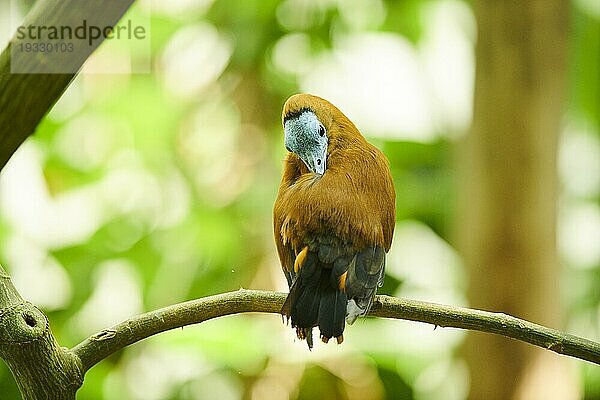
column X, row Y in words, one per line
column 318, row 161
column 321, row 130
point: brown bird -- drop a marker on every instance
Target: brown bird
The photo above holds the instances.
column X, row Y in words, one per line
column 334, row 218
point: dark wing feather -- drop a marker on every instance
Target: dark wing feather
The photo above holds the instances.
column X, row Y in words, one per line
column 364, row 268
column 365, row 274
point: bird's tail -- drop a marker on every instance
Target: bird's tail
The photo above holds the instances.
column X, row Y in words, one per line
column 315, row 299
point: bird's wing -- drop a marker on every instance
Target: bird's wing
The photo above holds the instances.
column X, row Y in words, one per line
column 286, row 252
column 358, row 272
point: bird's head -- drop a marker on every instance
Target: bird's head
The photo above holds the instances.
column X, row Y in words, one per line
column 306, row 136
column 308, row 125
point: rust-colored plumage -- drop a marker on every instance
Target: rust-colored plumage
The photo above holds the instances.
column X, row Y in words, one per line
column 333, row 218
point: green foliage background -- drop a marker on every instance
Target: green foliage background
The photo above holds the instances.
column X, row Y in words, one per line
column 174, row 184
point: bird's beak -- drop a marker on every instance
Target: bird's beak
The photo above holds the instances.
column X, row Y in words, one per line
column 316, row 162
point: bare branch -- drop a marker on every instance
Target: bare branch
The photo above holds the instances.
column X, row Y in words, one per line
column 108, row 341
column 41, row 368
column 102, row 344
column 490, row 322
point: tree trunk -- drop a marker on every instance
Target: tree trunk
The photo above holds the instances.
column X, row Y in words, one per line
column 507, row 220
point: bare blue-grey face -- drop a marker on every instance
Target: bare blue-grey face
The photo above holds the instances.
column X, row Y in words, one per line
column 305, row 135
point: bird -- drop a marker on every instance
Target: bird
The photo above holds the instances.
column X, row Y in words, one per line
column 333, row 218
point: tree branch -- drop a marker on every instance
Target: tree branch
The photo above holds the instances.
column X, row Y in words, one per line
column 102, row 344
column 490, row 322
column 30, row 84
column 108, row 341
column 42, row 369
